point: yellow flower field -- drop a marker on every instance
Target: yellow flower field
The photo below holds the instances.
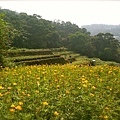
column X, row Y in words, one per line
column 60, row 92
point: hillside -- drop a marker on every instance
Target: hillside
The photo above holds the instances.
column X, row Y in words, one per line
column 34, row 32
column 103, row 28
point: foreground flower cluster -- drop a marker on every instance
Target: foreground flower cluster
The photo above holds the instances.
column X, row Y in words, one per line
column 60, row 92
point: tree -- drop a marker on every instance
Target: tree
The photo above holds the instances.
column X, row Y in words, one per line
column 106, row 47
column 77, row 41
column 5, row 35
column 53, row 39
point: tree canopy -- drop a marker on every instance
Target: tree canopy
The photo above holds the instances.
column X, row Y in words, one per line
column 4, row 37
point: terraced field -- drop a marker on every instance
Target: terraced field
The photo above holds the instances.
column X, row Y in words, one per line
column 49, row 56
column 31, row 57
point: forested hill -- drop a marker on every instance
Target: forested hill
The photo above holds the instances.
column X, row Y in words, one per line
column 32, row 31
column 35, row 32
column 97, row 28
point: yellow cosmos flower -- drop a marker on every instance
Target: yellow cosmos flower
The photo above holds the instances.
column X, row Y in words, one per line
column 12, row 106
column 9, row 88
column 62, row 75
column 109, row 72
column 23, row 93
column 105, row 117
column 12, row 110
column 110, row 88
column 93, row 87
column 84, row 85
column 20, row 103
column 18, row 107
column 28, row 95
column 56, row 80
column 38, row 83
column 6, row 93
column 106, row 108
column 1, row 87
column 83, row 79
column 67, row 92
column 38, row 78
column 91, row 94
column 45, row 103
column 43, row 73
column 56, row 113
column 58, row 86
column 1, row 94
column 37, row 91
column 14, row 84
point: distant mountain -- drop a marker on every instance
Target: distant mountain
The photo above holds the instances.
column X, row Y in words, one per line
column 103, row 28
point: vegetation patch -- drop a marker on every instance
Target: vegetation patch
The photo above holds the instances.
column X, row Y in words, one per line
column 60, row 92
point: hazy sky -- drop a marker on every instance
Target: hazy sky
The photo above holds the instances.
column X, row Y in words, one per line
column 76, row 11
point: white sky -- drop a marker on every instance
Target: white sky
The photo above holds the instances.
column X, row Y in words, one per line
column 76, row 11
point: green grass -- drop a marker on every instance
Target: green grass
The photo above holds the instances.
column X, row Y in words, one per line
column 60, row 92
